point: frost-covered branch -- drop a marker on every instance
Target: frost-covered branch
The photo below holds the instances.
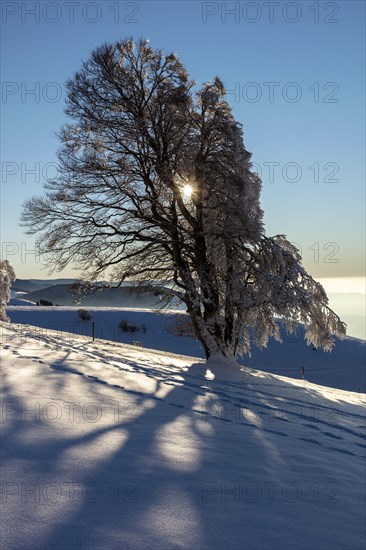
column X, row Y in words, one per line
column 7, row 275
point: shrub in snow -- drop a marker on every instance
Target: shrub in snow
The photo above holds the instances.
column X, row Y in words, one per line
column 45, row 303
column 7, row 276
column 181, row 325
column 125, row 326
column 84, row 315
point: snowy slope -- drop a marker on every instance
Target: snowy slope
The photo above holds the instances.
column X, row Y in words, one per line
column 19, row 298
column 108, row 446
column 343, row 368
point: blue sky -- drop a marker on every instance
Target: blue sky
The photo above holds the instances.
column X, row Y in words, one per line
column 295, row 78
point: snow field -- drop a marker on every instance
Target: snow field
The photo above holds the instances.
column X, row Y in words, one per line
column 106, row 445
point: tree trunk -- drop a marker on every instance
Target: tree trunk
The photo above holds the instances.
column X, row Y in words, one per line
column 211, row 335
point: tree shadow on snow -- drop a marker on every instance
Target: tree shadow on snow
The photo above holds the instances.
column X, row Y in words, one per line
column 168, row 472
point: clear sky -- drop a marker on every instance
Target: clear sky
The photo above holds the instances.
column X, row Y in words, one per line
column 295, row 75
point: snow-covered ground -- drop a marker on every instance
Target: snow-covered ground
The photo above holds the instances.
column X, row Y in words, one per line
column 343, row 368
column 110, row 446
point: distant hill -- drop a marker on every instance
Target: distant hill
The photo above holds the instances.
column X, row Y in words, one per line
column 31, row 285
column 22, row 285
column 108, row 297
column 57, row 292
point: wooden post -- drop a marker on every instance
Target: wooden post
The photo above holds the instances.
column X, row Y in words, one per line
column 93, row 332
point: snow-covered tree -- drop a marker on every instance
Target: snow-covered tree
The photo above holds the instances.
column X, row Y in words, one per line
column 155, row 185
column 7, row 277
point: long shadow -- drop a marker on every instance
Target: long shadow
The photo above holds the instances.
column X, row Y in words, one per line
column 142, row 483
column 164, row 478
column 150, row 490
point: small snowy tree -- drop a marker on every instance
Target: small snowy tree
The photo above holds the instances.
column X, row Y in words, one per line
column 155, row 182
column 7, row 277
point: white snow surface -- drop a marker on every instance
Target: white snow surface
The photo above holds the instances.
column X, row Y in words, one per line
column 110, row 446
column 342, row 368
